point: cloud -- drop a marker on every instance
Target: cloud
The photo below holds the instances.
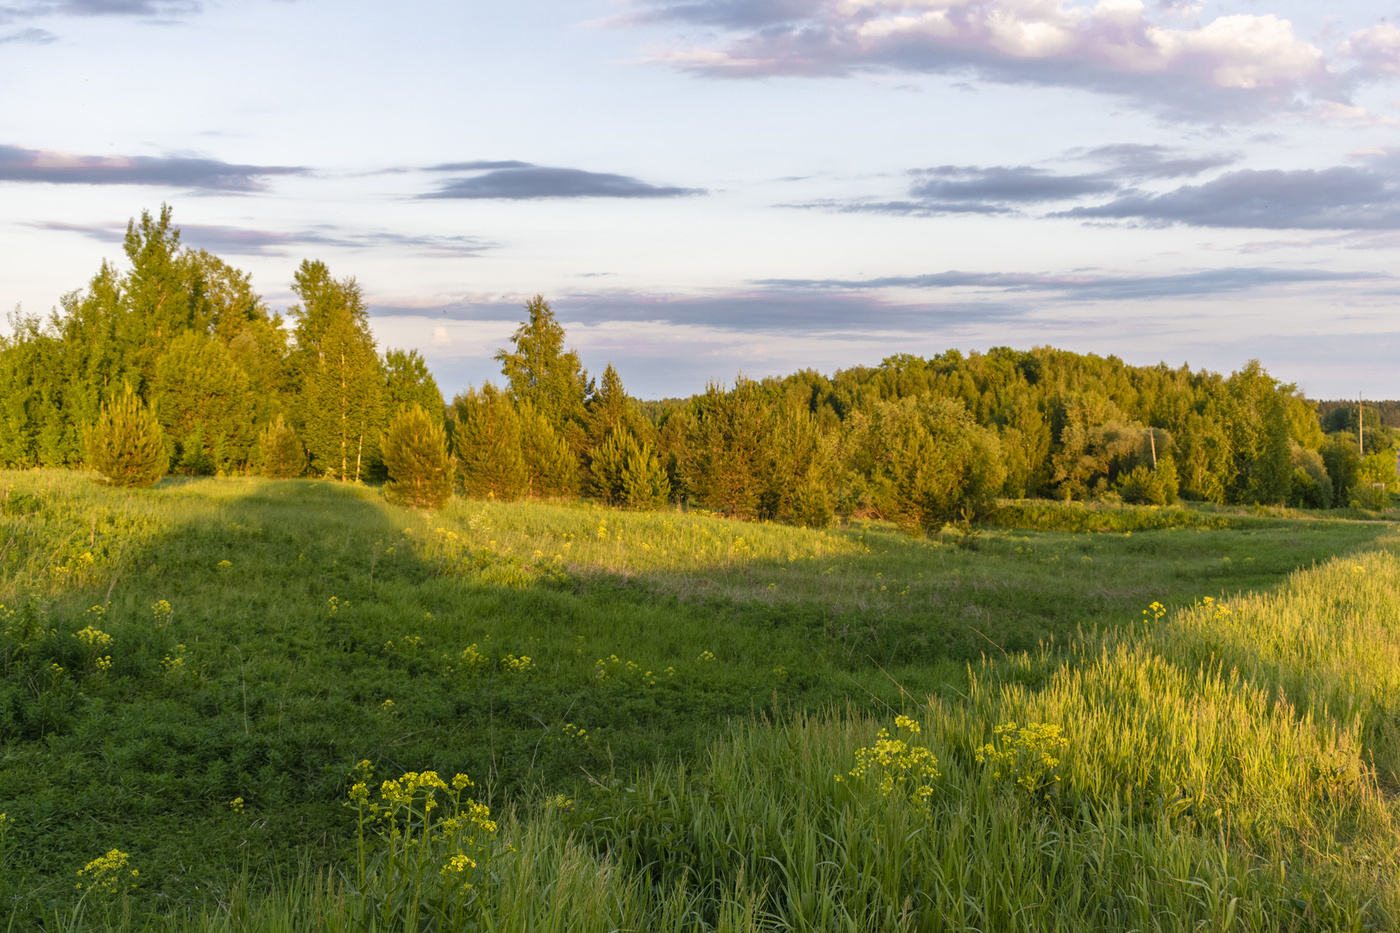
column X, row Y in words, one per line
column 146, row 8
column 62, row 168
column 1240, row 65
column 1339, row 198
column 1003, row 189
column 29, row 37
column 241, row 241
column 767, row 309
column 518, row 181
column 1082, row 287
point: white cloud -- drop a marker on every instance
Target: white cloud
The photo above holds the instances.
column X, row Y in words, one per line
column 1235, row 62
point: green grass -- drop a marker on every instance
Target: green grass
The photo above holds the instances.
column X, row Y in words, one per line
column 270, row 679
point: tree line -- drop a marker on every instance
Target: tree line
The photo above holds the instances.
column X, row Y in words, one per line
column 232, row 387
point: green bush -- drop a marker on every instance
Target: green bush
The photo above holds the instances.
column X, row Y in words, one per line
column 127, row 445
column 280, row 454
column 1146, row 486
column 415, row 453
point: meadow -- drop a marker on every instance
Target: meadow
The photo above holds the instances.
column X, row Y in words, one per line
column 1133, row 719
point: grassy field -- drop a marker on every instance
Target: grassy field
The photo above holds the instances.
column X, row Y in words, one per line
column 657, row 705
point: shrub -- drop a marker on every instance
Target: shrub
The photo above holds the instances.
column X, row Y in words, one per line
column 280, row 454
column 415, row 453
column 127, row 445
column 1146, row 486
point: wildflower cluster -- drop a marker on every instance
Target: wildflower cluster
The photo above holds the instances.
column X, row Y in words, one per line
column 1026, row 754
column 894, row 764
column 1155, row 611
column 108, row 874
column 521, row 665
column 96, row 641
column 1216, row 610
column 174, row 664
column 470, row 662
column 409, row 644
column 613, row 667
column 162, row 613
column 573, row 733
column 423, row 846
column 706, row 656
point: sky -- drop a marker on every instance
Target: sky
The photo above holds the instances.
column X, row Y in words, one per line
column 703, row 188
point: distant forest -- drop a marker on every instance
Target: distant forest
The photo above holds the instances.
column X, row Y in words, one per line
column 238, row 389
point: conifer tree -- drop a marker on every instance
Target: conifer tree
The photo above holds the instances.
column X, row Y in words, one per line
column 126, row 444
column 645, row 485
column 550, row 464
column 541, row 372
column 725, row 449
column 415, row 454
column 280, row 454
column 488, row 444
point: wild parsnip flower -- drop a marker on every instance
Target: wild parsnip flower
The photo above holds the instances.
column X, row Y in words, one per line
column 236, row 805
column 94, row 638
column 224, row 564
column 897, row 765
column 458, row 864
column 162, row 613
column 108, row 874
column 521, row 665
column 1026, row 754
column 706, row 656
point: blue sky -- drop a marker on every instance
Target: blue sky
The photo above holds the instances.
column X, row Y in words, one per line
column 704, row 187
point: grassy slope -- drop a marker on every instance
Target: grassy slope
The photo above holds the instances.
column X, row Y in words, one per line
column 279, row 690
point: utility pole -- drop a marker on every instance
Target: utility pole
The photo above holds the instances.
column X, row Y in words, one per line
column 1152, row 438
column 1360, row 428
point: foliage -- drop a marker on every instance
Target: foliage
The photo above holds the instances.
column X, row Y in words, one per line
column 625, row 474
column 203, row 400
column 415, row 453
column 724, row 449
column 407, row 382
column 539, row 371
column 1146, row 485
column 487, row 438
column 280, row 454
column 126, row 445
column 928, row 464
column 340, row 392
